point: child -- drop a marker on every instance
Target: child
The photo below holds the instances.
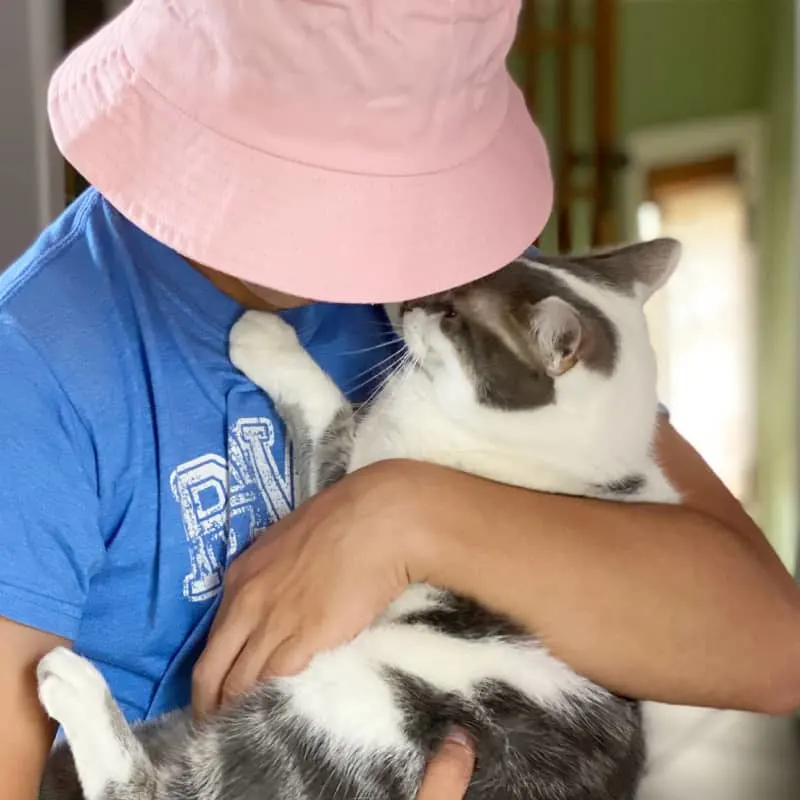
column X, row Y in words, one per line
column 341, row 153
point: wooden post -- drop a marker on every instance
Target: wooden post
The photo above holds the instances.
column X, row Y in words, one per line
column 563, row 39
column 605, row 112
column 529, row 43
column 564, row 199
column 528, row 46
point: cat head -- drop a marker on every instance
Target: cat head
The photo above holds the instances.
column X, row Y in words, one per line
column 561, row 341
column 515, row 333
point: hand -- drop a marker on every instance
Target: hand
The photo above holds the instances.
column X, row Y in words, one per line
column 449, row 772
column 312, row 581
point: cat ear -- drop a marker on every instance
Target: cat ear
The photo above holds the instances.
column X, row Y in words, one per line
column 644, row 267
column 557, row 331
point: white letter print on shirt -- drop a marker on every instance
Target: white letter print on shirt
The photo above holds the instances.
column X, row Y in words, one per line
column 223, row 503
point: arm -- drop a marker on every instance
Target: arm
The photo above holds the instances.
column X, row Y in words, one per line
column 26, row 733
column 683, row 604
column 679, row 604
column 50, row 547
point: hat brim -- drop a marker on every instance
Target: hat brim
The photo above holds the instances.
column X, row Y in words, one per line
column 298, row 229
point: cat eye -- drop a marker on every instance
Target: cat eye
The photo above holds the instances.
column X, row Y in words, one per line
column 449, row 312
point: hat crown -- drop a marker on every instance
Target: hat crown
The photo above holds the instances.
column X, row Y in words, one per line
column 388, row 87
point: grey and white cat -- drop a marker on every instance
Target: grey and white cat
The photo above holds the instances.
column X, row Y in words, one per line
column 540, row 375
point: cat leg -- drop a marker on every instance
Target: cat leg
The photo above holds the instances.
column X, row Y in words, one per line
column 110, row 761
column 317, row 415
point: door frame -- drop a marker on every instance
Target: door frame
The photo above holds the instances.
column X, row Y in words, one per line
column 694, row 140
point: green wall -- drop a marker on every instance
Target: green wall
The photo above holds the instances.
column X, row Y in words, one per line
column 685, row 59
column 777, row 355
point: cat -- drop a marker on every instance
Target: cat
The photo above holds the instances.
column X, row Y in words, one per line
column 541, row 376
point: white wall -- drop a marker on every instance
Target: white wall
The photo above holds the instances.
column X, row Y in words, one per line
column 31, row 176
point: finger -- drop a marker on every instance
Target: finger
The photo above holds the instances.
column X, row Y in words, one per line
column 296, row 652
column 229, row 607
column 289, row 657
column 225, row 642
column 240, row 611
column 249, row 666
column 450, row 770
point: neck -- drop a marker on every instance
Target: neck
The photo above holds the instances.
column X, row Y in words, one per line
column 260, row 299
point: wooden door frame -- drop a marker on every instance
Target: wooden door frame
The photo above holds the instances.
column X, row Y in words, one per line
column 696, row 141
column 559, row 29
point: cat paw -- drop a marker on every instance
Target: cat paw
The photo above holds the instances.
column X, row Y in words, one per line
column 76, row 695
column 257, row 338
column 266, row 349
column 69, row 686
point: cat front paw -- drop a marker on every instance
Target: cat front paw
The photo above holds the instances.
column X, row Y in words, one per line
column 76, row 695
column 266, row 349
column 70, row 687
column 259, row 335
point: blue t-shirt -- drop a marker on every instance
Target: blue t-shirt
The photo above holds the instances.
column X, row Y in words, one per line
column 136, row 461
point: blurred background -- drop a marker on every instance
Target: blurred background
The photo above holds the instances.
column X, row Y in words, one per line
column 664, row 117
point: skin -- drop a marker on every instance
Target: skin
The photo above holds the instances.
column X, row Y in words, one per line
column 628, row 594
column 450, row 770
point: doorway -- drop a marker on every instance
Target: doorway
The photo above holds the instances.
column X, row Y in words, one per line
column 703, row 322
column 699, row 182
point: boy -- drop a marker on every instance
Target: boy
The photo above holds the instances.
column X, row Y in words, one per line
column 348, row 154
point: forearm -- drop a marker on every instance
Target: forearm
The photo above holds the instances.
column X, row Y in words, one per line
column 655, row 603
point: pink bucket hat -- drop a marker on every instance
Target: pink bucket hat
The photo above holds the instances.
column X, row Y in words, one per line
column 357, row 151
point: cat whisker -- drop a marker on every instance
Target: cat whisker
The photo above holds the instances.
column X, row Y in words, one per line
column 404, row 364
column 372, row 371
column 386, row 326
column 389, row 342
column 383, row 367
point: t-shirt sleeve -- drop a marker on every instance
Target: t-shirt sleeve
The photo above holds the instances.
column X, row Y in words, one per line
column 51, row 544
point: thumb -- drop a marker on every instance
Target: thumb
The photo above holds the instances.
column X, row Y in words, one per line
column 450, row 770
